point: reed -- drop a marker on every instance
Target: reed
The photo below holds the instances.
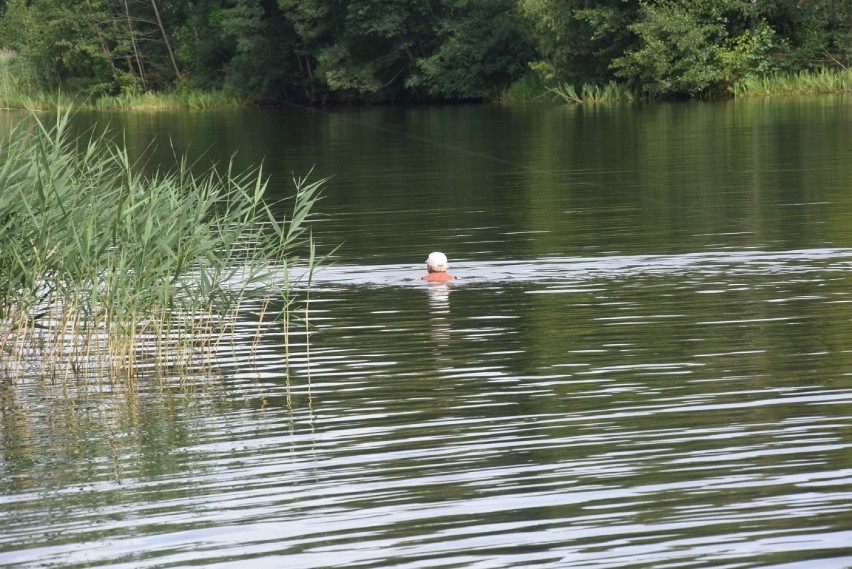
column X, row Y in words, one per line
column 17, row 91
column 611, row 92
column 821, row 81
column 528, row 88
column 13, row 95
column 108, row 273
column 189, row 99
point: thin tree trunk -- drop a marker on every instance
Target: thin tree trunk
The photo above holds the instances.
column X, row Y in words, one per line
column 165, row 38
column 135, row 48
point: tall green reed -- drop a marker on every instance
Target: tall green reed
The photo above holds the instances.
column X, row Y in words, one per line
column 108, row 272
column 190, row 99
column 611, row 92
column 820, row 81
column 528, row 88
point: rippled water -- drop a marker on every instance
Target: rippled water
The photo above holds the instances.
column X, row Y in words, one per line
column 642, row 365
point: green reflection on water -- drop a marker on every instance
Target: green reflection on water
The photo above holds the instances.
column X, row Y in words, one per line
column 632, row 395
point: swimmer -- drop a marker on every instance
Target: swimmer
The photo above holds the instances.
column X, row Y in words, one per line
column 437, row 266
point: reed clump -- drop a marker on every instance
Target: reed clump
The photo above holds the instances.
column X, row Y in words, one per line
column 107, row 272
column 190, row 99
column 821, row 81
column 530, row 87
column 611, row 92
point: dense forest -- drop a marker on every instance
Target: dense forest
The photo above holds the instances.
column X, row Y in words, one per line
column 324, row 51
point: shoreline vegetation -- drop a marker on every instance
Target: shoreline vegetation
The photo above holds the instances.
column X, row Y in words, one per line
column 819, row 82
column 17, row 94
column 148, row 55
column 115, row 275
column 150, row 101
column 525, row 90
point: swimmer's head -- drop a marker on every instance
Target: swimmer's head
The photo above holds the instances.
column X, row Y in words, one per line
column 437, row 263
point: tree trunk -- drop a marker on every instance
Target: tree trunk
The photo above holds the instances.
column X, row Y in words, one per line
column 135, row 47
column 165, row 38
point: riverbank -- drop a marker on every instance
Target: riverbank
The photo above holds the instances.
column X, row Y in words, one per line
column 821, row 82
column 38, row 100
column 817, row 82
column 20, row 94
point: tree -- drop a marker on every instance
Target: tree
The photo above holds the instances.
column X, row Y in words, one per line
column 378, row 47
column 480, row 49
column 388, row 50
column 142, row 41
column 579, row 39
column 200, row 47
column 58, row 44
column 98, row 46
column 681, row 45
column 378, row 50
column 260, row 47
column 817, row 35
column 317, row 24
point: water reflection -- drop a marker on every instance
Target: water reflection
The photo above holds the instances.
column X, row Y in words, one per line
column 439, row 312
column 607, row 412
column 645, row 363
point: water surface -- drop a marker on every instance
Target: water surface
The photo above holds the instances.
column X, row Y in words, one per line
column 645, row 362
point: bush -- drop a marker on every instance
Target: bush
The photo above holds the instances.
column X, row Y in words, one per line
column 679, row 51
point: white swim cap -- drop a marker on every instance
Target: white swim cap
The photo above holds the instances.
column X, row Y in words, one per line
column 437, row 261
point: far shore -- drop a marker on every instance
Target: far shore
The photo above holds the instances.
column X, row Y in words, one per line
column 822, row 82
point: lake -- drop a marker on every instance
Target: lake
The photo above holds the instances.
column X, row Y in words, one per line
column 645, row 361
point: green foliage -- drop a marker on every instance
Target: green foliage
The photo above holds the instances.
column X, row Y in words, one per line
column 480, row 50
column 381, row 50
column 10, row 79
column 699, row 47
column 578, row 40
column 759, row 51
column 530, row 87
column 377, row 47
column 57, row 44
column 683, row 47
column 95, row 46
column 260, row 41
column 819, row 32
column 316, row 25
column 105, row 269
column 402, row 50
column 200, row 47
column 680, row 46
